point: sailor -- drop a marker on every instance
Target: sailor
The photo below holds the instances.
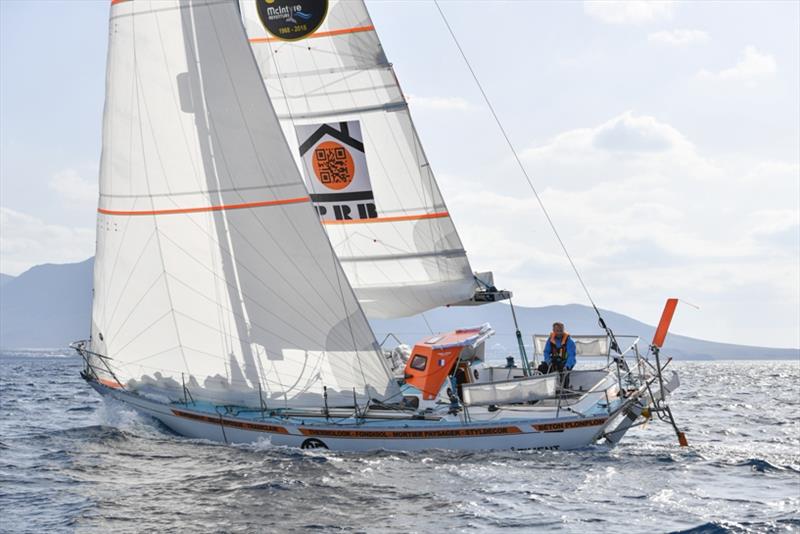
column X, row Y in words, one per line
column 559, row 353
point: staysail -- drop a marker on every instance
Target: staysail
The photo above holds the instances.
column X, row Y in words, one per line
column 212, row 268
column 339, row 101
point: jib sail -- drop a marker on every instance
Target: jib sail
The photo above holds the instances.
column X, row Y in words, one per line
column 344, row 113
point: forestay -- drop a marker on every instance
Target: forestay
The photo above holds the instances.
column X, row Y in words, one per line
column 212, row 266
column 347, row 120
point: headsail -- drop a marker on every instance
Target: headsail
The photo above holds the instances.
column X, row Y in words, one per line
column 338, row 99
column 212, row 266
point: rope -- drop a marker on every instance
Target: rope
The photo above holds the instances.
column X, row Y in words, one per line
column 427, row 323
column 525, row 174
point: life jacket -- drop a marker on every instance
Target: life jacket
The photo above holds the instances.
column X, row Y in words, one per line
column 558, row 353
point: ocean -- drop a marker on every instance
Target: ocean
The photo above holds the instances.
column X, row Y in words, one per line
column 69, row 462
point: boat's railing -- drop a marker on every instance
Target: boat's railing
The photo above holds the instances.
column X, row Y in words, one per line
column 91, row 369
column 564, row 397
column 626, row 376
column 529, row 388
column 602, row 386
column 603, row 342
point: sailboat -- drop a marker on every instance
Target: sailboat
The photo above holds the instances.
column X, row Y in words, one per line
column 263, row 192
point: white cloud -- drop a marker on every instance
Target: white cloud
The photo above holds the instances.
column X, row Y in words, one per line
column 753, row 67
column 625, row 145
column 438, row 102
column 629, row 11
column 26, row 241
column 629, row 133
column 73, row 187
column 646, row 216
column 776, row 230
column 775, row 170
column 678, row 37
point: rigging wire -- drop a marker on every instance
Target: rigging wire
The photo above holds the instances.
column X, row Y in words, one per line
column 614, row 344
column 427, row 323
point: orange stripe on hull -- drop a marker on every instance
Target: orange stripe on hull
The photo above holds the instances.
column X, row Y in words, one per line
column 110, row 383
column 555, row 427
column 201, row 209
column 411, row 434
column 330, row 33
column 391, row 219
column 244, row 425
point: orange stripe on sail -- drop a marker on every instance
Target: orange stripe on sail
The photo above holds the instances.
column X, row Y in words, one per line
column 438, row 215
column 221, row 207
column 117, row 1
column 329, row 33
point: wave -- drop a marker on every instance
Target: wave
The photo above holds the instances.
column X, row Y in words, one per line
column 99, row 461
column 764, row 466
column 722, row 527
column 96, row 433
column 59, row 352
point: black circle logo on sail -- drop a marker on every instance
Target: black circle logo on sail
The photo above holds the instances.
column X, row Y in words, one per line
column 291, row 20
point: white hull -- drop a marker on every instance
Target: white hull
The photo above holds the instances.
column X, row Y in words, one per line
column 565, row 432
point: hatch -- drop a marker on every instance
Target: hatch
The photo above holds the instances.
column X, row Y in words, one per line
column 435, row 358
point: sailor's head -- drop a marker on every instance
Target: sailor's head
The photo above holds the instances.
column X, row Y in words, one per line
column 558, row 328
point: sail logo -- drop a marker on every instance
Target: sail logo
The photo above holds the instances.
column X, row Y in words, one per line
column 291, row 20
column 333, row 165
column 336, row 171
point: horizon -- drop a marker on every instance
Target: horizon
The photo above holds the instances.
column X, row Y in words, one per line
column 658, row 126
column 645, row 322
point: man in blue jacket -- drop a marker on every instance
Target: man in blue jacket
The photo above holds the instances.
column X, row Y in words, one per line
column 559, row 354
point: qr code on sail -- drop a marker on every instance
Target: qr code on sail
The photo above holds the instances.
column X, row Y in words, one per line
column 333, row 165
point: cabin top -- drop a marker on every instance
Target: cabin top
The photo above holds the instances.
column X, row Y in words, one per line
column 435, row 358
column 462, row 337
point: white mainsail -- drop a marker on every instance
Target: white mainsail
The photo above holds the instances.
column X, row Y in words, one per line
column 332, row 86
column 212, row 266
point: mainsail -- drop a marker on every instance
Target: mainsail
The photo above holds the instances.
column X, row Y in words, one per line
column 339, row 101
column 212, row 268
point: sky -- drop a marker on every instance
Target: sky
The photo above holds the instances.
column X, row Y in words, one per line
column 663, row 137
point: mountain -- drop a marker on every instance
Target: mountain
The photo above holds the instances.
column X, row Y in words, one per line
column 49, row 306
column 5, row 278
